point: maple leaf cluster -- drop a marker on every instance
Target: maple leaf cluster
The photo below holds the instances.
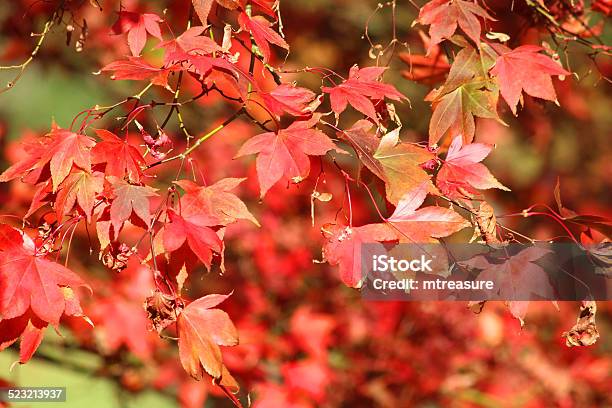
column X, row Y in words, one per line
column 159, row 240
column 481, row 69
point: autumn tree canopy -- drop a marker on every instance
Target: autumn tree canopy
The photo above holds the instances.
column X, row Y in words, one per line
column 198, row 220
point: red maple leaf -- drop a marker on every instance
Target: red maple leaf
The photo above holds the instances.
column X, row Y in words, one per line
column 61, row 149
column 191, row 41
column 200, row 52
column 66, row 149
column 443, row 17
column 137, row 26
column 263, row 35
column 215, row 201
column 343, row 247
column 413, row 225
column 516, row 277
column 121, row 158
column 137, row 69
column 196, row 231
column 203, row 64
column 359, row 89
column 201, row 330
column 80, row 187
column 42, row 196
column 203, row 7
column 525, row 69
column 286, row 152
column 291, row 99
column 34, row 151
column 462, row 173
column 27, row 327
column 406, row 224
column 129, row 198
column 28, row 280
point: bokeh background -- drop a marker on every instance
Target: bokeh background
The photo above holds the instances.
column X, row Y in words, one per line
column 306, row 339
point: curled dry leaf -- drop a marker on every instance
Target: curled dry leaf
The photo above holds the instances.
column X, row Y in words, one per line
column 584, row 332
column 486, row 224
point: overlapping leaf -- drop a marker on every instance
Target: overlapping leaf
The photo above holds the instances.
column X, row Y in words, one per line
column 80, row 187
column 31, row 281
column 467, row 92
column 516, row 277
column 202, row 329
column 61, row 149
column 285, row 153
column 454, row 112
column 196, row 232
column 462, row 171
column 365, row 144
column 214, row 201
column 121, row 158
column 262, row 33
column 137, row 69
column 343, row 247
column 137, row 26
column 413, row 225
column 525, row 69
column 27, row 327
column 360, row 89
column 443, row 17
column 191, row 42
column 291, row 99
column 401, row 165
column 203, row 7
column 128, row 198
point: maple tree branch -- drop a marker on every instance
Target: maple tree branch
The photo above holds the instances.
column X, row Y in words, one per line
column 588, row 29
column 325, row 73
column 174, row 101
column 270, row 69
column 475, row 214
column 178, row 90
column 543, row 11
column 199, row 141
column 202, row 93
column 248, row 11
column 22, row 67
column 218, row 90
column 261, row 125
